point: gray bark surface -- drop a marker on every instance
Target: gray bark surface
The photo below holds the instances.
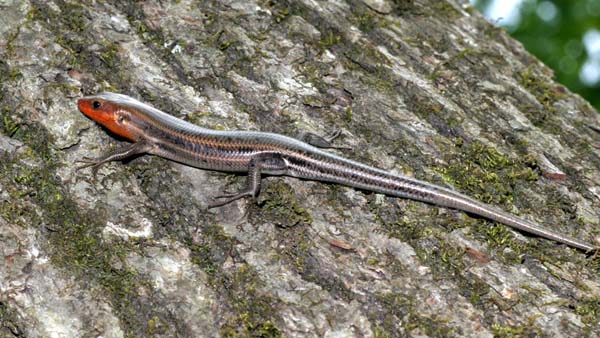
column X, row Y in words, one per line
column 426, row 88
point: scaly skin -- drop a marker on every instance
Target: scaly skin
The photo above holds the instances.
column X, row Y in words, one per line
column 155, row 132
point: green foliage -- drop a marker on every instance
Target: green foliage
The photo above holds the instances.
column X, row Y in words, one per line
column 559, row 41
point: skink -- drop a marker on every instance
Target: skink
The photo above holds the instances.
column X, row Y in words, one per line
column 256, row 153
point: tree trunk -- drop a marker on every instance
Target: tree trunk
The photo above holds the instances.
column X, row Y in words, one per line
column 426, row 88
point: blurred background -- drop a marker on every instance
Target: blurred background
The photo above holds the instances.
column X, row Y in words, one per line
column 564, row 34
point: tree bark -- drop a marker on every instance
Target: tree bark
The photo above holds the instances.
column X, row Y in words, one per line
column 426, row 88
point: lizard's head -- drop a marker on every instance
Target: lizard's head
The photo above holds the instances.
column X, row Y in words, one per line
column 106, row 109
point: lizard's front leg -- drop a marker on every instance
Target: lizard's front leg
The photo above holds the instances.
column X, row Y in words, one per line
column 119, row 154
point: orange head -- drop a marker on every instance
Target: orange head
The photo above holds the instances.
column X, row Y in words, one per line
column 110, row 113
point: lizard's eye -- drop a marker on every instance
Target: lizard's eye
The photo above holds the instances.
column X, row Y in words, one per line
column 120, row 117
column 96, row 104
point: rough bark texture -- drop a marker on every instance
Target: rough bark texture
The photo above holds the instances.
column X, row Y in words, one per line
column 423, row 87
